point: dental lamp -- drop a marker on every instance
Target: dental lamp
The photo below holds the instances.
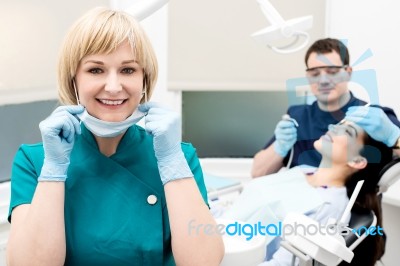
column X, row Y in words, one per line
column 281, row 29
column 140, row 9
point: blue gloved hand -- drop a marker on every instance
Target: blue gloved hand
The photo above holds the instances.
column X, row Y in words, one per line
column 375, row 122
column 58, row 135
column 165, row 126
column 285, row 137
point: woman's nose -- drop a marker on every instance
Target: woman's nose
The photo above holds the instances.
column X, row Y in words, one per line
column 333, row 128
column 113, row 84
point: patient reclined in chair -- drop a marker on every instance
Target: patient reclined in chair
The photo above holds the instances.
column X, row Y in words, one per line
column 348, row 155
column 268, row 199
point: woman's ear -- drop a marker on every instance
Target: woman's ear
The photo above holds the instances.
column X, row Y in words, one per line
column 358, row 162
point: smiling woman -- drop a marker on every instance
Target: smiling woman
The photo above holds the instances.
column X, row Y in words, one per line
column 101, row 194
column 110, row 85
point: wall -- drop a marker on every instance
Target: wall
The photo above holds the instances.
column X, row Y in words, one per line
column 31, row 34
column 370, row 24
column 391, row 217
column 210, row 47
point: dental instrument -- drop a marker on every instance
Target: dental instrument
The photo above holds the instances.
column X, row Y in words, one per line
column 288, row 118
column 344, row 119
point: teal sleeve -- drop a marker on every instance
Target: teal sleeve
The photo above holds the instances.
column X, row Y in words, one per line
column 194, row 164
column 24, row 176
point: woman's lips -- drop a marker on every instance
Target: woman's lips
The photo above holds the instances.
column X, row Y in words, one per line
column 111, row 102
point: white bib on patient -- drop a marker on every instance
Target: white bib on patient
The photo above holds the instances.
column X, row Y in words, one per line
column 269, row 198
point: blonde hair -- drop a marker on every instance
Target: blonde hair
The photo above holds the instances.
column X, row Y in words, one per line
column 101, row 31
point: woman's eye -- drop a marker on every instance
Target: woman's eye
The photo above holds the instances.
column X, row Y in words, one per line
column 95, row 71
column 349, row 132
column 128, row 70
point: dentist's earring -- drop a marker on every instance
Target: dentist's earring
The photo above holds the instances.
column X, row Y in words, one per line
column 76, row 92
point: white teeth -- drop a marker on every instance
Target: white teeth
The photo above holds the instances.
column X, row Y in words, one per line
column 109, row 102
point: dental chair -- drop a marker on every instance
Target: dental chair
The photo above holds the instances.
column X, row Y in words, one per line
column 362, row 246
column 345, row 250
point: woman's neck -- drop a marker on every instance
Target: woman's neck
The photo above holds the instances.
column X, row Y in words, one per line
column 108, row 146
column 329, row 176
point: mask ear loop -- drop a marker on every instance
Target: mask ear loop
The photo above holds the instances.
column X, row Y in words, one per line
column 144, row 92
column 145, row 96
column 76, row 92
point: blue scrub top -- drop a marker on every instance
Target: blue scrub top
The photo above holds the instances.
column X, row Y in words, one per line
column 108, row 218
column 313, row 123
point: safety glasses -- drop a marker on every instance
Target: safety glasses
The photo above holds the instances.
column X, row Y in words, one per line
column 314, row 74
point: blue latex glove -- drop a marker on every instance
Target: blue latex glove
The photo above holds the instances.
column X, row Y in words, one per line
column 165, row 126
column 375, row 122
column 286, row 137
column 58, row 135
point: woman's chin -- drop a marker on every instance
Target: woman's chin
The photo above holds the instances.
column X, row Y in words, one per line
column 317, row 145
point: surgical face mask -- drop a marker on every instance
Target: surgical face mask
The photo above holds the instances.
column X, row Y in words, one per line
column 107, row 129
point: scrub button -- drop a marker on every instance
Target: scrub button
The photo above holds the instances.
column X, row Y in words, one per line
column 151, row 199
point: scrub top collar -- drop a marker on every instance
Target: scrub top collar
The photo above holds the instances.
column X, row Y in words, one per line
column 339, row 114
column 130, row 137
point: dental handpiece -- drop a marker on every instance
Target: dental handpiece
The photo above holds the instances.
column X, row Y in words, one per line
column 288, row 118
column 344, row 119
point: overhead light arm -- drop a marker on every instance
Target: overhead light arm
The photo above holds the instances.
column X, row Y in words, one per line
column 141, row 9
column 294, row 29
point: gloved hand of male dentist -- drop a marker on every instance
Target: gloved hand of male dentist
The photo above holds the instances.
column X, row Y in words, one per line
column 165, row 126
column 58, row 136
column 375, row 122
column 285, row 137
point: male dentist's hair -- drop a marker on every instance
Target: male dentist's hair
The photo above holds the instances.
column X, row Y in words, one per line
column 329, row 45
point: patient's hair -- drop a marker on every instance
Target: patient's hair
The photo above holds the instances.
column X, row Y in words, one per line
column 378, row 155
column 328, row 45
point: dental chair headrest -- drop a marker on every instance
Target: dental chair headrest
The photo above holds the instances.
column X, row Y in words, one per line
column 389, row 175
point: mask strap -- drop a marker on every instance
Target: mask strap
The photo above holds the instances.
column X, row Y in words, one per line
column 145, row 96
column 76, row 92
column 144, row 92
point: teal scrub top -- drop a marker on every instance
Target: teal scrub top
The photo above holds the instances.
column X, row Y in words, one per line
column 109, row 219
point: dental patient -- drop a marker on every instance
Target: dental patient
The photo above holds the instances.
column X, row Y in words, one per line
column 348, row 155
